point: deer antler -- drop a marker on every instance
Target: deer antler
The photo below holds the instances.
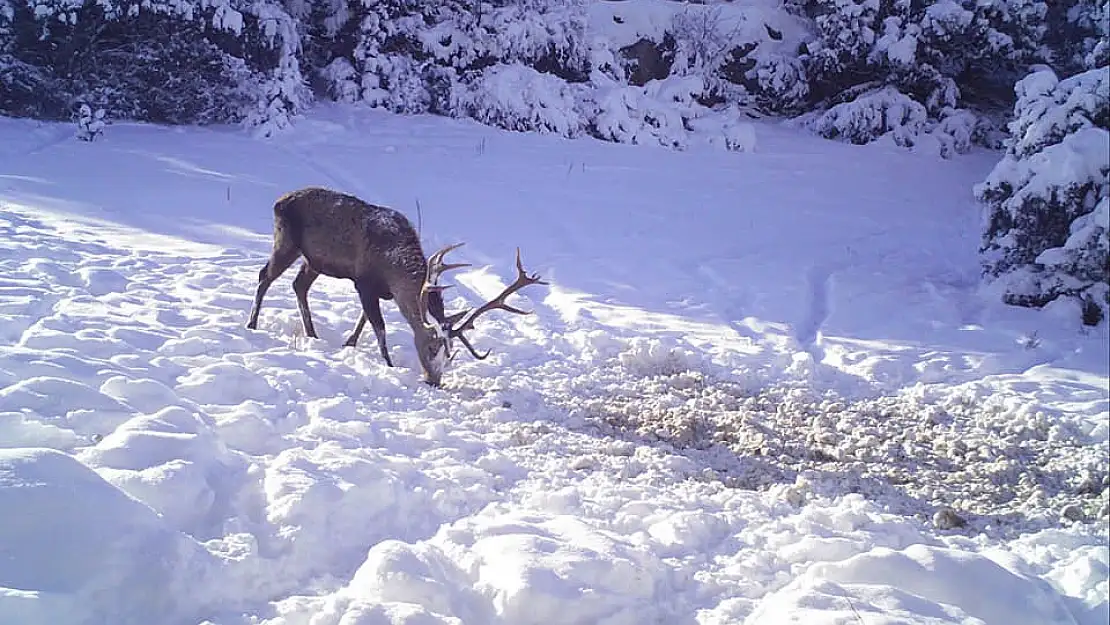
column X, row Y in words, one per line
column 436, row 268
column 522, row 280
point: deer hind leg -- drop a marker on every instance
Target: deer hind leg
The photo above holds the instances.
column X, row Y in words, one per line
column 301, row 284
column 372, row 312
column 281, row 258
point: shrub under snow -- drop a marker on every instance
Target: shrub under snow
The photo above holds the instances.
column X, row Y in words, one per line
column 890, row 115
column 517, row 97
column 1047, row 201
column 880, row 113
column 656, row 113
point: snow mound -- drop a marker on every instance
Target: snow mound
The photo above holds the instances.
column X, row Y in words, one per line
column 329, row 503
column 504, row 567
column 61, row 405
column 421, row 577
column 884, row 112
column 920, row 584
column 79, row 551
column 172, row 461
column 537, row 570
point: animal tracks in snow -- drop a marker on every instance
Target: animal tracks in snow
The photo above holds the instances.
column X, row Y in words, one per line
column 817, row 310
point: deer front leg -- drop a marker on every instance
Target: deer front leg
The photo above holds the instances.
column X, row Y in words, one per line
column 372, row 312
column 353, row 339
column 282, row 257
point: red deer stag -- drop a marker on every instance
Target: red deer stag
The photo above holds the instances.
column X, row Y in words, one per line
column 377, row 249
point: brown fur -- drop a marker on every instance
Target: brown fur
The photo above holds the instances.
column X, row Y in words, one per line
column 375, row 247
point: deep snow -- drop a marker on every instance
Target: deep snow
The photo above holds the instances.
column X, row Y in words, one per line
column 761, row 387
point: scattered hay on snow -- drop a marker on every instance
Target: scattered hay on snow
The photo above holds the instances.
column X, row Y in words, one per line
column 999, row 466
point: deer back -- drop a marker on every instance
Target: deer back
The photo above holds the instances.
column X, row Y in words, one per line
column 344, row 237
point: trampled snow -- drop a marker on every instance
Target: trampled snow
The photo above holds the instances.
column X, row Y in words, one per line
column 761, row 388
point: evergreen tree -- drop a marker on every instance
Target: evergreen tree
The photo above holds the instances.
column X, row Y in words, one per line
column 875, row 66
column 1048, row 200
column 163, row 62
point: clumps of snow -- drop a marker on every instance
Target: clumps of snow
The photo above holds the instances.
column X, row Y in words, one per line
column 645, row 356
column 143, row 394
column 23, row 430
column 920, row 584
column 101, row 281
column 991, row 458
column 77, row 550
column 589, row 576
column 419, row 576
column 630, row 114
column 594, row 346
column 251, row 427
column 224, row 383
column 1081, row 571
column 725, row 130
column 955, row 132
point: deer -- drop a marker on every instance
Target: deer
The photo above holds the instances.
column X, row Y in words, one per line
column 377, row 249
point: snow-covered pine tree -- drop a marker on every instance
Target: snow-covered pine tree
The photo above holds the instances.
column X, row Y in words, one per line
column 534, row 71
column 948, row 58
column 509, row 63
column 1048, row 200
column 1078, row 34
column 167, row 61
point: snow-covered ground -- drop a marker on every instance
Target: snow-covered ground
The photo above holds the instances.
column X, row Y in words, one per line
column 760, row 389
